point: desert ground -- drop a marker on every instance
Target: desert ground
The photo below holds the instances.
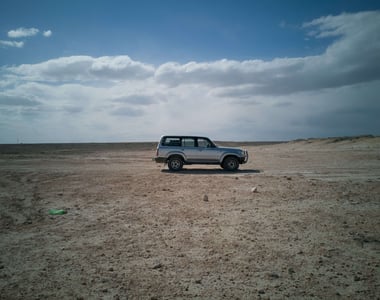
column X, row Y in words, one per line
column 300, row 220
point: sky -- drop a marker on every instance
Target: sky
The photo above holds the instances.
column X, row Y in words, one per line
column 242, row 70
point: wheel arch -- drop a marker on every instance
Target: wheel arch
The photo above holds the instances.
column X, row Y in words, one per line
column 228, row 155
column 180, row 154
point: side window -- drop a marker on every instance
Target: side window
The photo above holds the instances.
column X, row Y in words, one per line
column 188, row 142
column 171, row 141
column 203, row 143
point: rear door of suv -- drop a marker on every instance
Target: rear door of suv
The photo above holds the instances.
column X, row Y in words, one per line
column 189, row 149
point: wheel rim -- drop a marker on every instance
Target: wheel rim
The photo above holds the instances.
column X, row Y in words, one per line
column 231, row 164
column 175, row 164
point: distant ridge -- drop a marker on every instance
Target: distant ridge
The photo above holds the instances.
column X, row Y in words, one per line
column 338, row 138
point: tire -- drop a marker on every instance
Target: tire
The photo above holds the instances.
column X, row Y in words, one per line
column 175, row 163
column 230, row 163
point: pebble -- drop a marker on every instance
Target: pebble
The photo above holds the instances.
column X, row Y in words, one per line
column 205, row 198
column 254, row 190
column 274, row 276
column 157, row 266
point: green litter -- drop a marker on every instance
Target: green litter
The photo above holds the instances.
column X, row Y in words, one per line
column 57, row 212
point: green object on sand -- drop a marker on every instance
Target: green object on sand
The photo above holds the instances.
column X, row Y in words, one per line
column 57, row 212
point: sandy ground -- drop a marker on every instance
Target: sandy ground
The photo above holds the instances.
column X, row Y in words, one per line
column 133, row 230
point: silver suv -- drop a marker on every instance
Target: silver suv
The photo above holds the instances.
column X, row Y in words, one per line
column 177, row 151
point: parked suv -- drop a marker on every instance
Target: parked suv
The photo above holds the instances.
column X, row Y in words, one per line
column 177, row 151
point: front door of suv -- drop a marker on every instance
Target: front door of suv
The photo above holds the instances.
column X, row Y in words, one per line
column 207, row 152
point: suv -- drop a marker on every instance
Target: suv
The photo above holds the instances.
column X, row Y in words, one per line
column 177, row 151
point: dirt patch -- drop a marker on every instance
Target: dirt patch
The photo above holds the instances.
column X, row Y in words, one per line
column 133, row 230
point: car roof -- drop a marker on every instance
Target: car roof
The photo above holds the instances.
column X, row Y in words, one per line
column 184, row 136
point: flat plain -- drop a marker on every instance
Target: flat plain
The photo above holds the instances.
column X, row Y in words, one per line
column 300, row 220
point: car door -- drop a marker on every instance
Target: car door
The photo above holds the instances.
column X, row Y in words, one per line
column 189, row 149
column 207, row 152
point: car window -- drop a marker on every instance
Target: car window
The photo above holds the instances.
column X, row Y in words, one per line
column 171, row 141
column 203, row 143
column 188, row 142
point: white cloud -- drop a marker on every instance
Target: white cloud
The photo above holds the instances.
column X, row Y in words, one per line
column 115, row 98
column 47, row 33
column 11, row 44
column 84, row 68
column 353, row 58
column 22, row 32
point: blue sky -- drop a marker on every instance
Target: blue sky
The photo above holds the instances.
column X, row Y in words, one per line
column 94, row 71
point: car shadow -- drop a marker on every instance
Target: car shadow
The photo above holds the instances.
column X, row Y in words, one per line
column 215, row 171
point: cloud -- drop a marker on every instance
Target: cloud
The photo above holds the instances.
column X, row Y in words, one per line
column 22, row 32
column 136, row 99
column 116, row 98
column 47, row 33
column 127, row 112
column 84, row 68
column 353, row 58
column 12, row 44
column 13, row 100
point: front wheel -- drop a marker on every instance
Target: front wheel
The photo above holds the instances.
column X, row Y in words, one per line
column 175, row 163
column 230, row 164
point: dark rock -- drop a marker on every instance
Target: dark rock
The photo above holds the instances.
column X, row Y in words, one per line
column 274, row 276
column 157, row 266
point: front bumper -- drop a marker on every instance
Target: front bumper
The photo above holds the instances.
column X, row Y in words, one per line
column 244, row 159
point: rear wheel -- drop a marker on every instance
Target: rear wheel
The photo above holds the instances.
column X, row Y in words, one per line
column 175, row 163
column 230, row 163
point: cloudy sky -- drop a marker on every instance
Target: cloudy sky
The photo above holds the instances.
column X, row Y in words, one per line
column 114, row 71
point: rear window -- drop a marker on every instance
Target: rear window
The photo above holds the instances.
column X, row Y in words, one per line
column 171, row 141
column 178, row 141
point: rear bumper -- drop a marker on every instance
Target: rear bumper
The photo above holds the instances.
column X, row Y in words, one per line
column 159, row 159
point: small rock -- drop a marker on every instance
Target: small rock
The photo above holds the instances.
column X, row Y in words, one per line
column 274, row 276
column 254, row 189
column 157, row 266
column 261, row 292
column 205, row 198
column 198, row 281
